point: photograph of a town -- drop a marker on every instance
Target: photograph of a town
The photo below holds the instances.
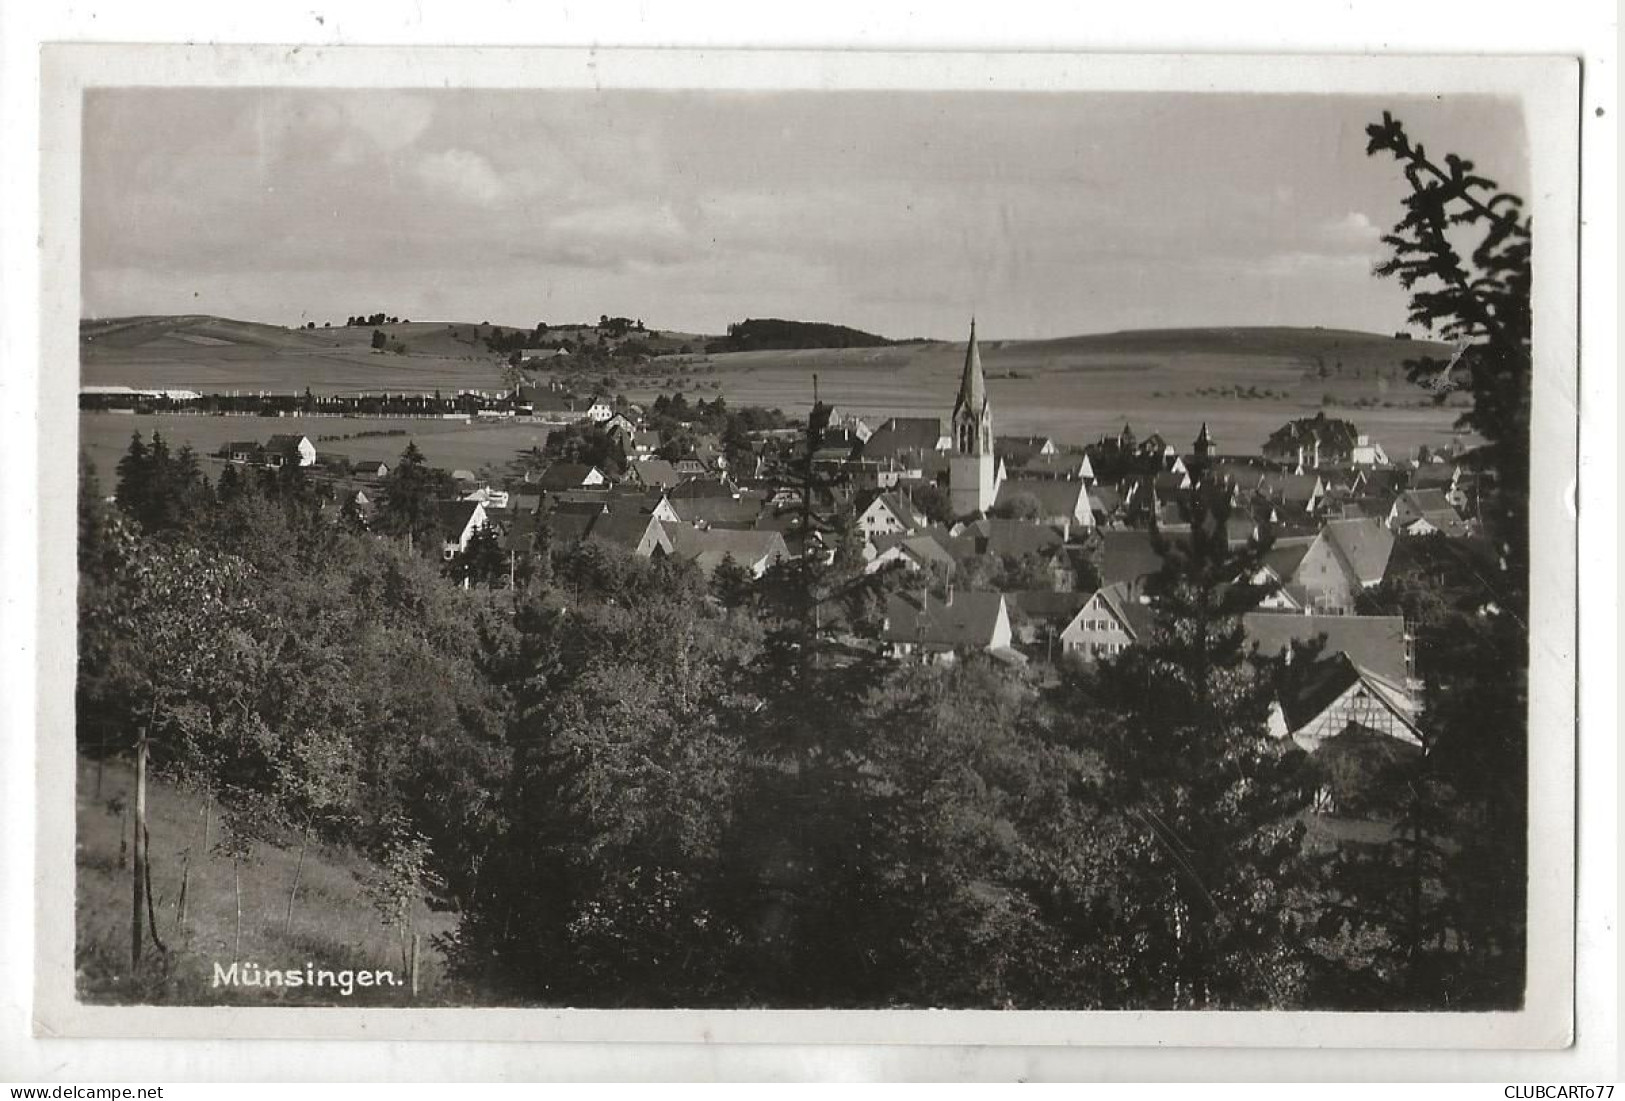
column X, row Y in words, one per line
column 827, row 549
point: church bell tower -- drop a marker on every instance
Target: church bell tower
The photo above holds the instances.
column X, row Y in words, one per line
column 970, row 463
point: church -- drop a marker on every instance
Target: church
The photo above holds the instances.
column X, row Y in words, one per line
column 972, row 487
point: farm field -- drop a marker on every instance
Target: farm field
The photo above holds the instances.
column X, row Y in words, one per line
column 334, row 923
column 1078, row 389
column 449, row 444
column 1074, row 388
column 219, row 355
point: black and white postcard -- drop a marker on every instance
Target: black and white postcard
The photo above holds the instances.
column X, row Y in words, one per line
column 878, row 547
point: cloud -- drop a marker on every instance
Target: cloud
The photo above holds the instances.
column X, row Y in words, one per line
column 616, row 236
column 1353, row 229
column 461, row 174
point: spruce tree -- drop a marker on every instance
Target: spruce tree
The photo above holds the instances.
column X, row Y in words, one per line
column 1206, row 854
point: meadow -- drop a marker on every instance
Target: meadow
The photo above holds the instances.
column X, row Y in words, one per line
column 1243, row 383
column 334, row 924
column 454, row 445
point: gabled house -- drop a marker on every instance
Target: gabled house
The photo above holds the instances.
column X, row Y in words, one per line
column 289, row 450
column 887, row 514
column 1346, row 557
column 653, row 473
column 1063, row 504
column 1311, row 441
column 1361, row 682
column 561, row 476
column 245, row 451
column 1279, row 571
column 600, row 411
column 622, row 429
column 1292, row 493
column 621, row 500
column 914, row 552
column 1067, row 466
column 639, row 534
column 1457, row 484
column 1426, row 512
column 924, row 627
column 1011, row 538
column 457, row 522
column 754, row 551
column 1018, row 451
column 900, row 435
column 1334, row 697
column 1109, row 622
column 729, row 509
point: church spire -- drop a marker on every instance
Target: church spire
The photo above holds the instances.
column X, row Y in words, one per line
column 972, row 385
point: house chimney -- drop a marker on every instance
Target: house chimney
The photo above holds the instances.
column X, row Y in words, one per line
column 950, row 602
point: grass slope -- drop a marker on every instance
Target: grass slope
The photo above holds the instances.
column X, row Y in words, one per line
column 334, row 924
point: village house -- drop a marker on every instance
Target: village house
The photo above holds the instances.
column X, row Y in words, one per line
column 1071, row 466
column 561, row 476
column 1425, row 512
column 637, row 533
column 623, row 499
column 1018, row 451
column 1327, row 573
column 1063, row 504
column 754, row 551
column 1362, row 679
column 289, row 450
column 1298, row 494
column 457, row 522
column 919, row 626
column 901, row 435
column 887, row 514
column 654, row 473
column 919, row 551
column 1110, row 621
column 1309, row 442
column 1448, row 478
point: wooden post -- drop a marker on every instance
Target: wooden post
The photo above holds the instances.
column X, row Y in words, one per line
column 138, row 878
column 417, row 941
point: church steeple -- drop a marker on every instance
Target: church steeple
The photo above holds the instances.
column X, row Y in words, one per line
column 971, row 479
column 972, row 419
column 1204, row 442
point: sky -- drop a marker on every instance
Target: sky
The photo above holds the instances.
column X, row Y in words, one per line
column 901, row 213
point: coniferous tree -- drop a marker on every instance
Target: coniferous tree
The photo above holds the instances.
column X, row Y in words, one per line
column 1206, row 857
column 1442, row 906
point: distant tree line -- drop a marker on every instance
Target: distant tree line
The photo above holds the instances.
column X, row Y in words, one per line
column 775, row 334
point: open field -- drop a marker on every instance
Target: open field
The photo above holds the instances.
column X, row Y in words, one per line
column 1078, row 388
column 215, row 354
column 449, row 444
column 1075, row 388
column 334, row 924
column 219, row 354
